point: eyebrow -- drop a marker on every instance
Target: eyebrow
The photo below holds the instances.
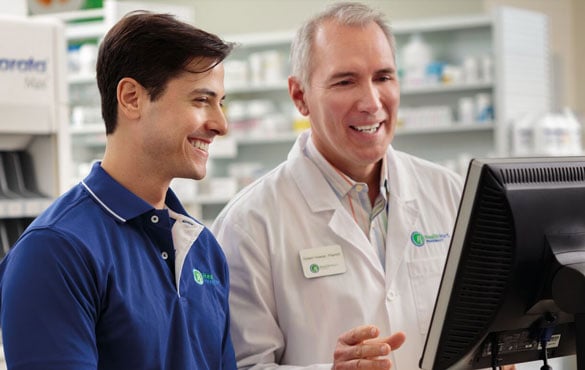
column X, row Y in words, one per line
column 207, row 92
column 341, row 75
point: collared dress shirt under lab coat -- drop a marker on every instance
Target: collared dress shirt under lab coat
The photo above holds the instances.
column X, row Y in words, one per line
column 281, row 317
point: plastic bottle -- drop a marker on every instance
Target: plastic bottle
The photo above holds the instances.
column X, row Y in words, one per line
column 523, row 136
column 466, row 108
column 574, row 130
column 546, row 136
column 484, row 108
column 416, row 56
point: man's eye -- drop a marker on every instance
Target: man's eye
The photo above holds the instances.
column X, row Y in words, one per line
column 342, row 83
column 202, row 99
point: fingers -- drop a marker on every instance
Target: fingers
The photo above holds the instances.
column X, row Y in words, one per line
column 360, row 348
column 376, row 364
column 360, row 351
column 394, row 341
column 359, row 334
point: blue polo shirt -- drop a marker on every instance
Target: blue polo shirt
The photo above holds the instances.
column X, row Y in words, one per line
column 102, row 280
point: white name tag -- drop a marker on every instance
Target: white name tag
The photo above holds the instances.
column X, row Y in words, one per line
column 322, row 261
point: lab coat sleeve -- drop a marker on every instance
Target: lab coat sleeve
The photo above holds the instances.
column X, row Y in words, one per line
column 257, row 337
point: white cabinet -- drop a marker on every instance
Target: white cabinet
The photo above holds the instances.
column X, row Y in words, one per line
column 34, row 143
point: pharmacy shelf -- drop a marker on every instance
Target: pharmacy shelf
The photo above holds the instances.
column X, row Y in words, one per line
column 405, row 90
column 445, row 129
column 88, row 129
column 446, row 87
column 284, row 137
column 262, row 40
column 84, row 31
column 82, row 24
column 261, row 88
column 442, row 24
column 78, row 15
column 453, row 38
column 289, row 137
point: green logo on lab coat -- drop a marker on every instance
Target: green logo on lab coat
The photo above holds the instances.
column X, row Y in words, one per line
column 417, row 239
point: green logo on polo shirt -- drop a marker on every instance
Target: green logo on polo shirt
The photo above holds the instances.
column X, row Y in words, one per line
column 204, row 278
column 198, row 276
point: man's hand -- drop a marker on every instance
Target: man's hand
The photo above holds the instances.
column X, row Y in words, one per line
column 360, row 348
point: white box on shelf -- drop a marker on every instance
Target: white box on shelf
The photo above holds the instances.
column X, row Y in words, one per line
column 29, row 68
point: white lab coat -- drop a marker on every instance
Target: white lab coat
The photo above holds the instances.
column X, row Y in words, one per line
column 281, row 317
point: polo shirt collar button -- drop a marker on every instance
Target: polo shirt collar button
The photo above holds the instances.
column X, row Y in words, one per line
column 154, row 219
column 164, row 255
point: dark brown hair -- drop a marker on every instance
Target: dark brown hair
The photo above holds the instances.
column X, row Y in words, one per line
column 152, row 49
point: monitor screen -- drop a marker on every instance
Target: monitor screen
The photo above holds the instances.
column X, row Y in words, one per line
column 513, row 287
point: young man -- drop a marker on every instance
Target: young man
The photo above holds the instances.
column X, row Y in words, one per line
column 115, row 274
column 328, row 269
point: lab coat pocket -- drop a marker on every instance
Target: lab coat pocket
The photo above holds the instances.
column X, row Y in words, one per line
column 425, row 277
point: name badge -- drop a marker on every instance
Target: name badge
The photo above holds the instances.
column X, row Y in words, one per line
column 322, row 261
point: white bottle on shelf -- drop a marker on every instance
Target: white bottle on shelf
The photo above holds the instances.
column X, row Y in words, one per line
column 574, row 132
column 547, row 135
column 416, row 56
column 523, row 135
column 466, row 110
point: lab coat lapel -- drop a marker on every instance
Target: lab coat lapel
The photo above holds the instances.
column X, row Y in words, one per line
column 319, row 198
column 345, row 227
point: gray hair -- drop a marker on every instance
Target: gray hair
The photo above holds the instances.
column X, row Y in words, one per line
column 345, row 13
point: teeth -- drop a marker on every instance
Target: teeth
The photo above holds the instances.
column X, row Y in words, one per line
column 367, row 129
column 201, row 145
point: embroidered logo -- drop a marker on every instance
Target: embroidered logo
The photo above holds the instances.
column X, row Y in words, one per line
column 204, row 278
column 198, row 276
column 419, row 239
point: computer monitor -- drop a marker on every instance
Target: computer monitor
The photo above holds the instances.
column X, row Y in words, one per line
column 514, row 279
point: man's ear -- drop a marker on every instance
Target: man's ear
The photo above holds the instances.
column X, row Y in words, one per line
column 297, row 94
column 129, row 94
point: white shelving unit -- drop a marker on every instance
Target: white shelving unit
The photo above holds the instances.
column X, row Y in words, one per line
column 256, row 82
column 514, row 89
